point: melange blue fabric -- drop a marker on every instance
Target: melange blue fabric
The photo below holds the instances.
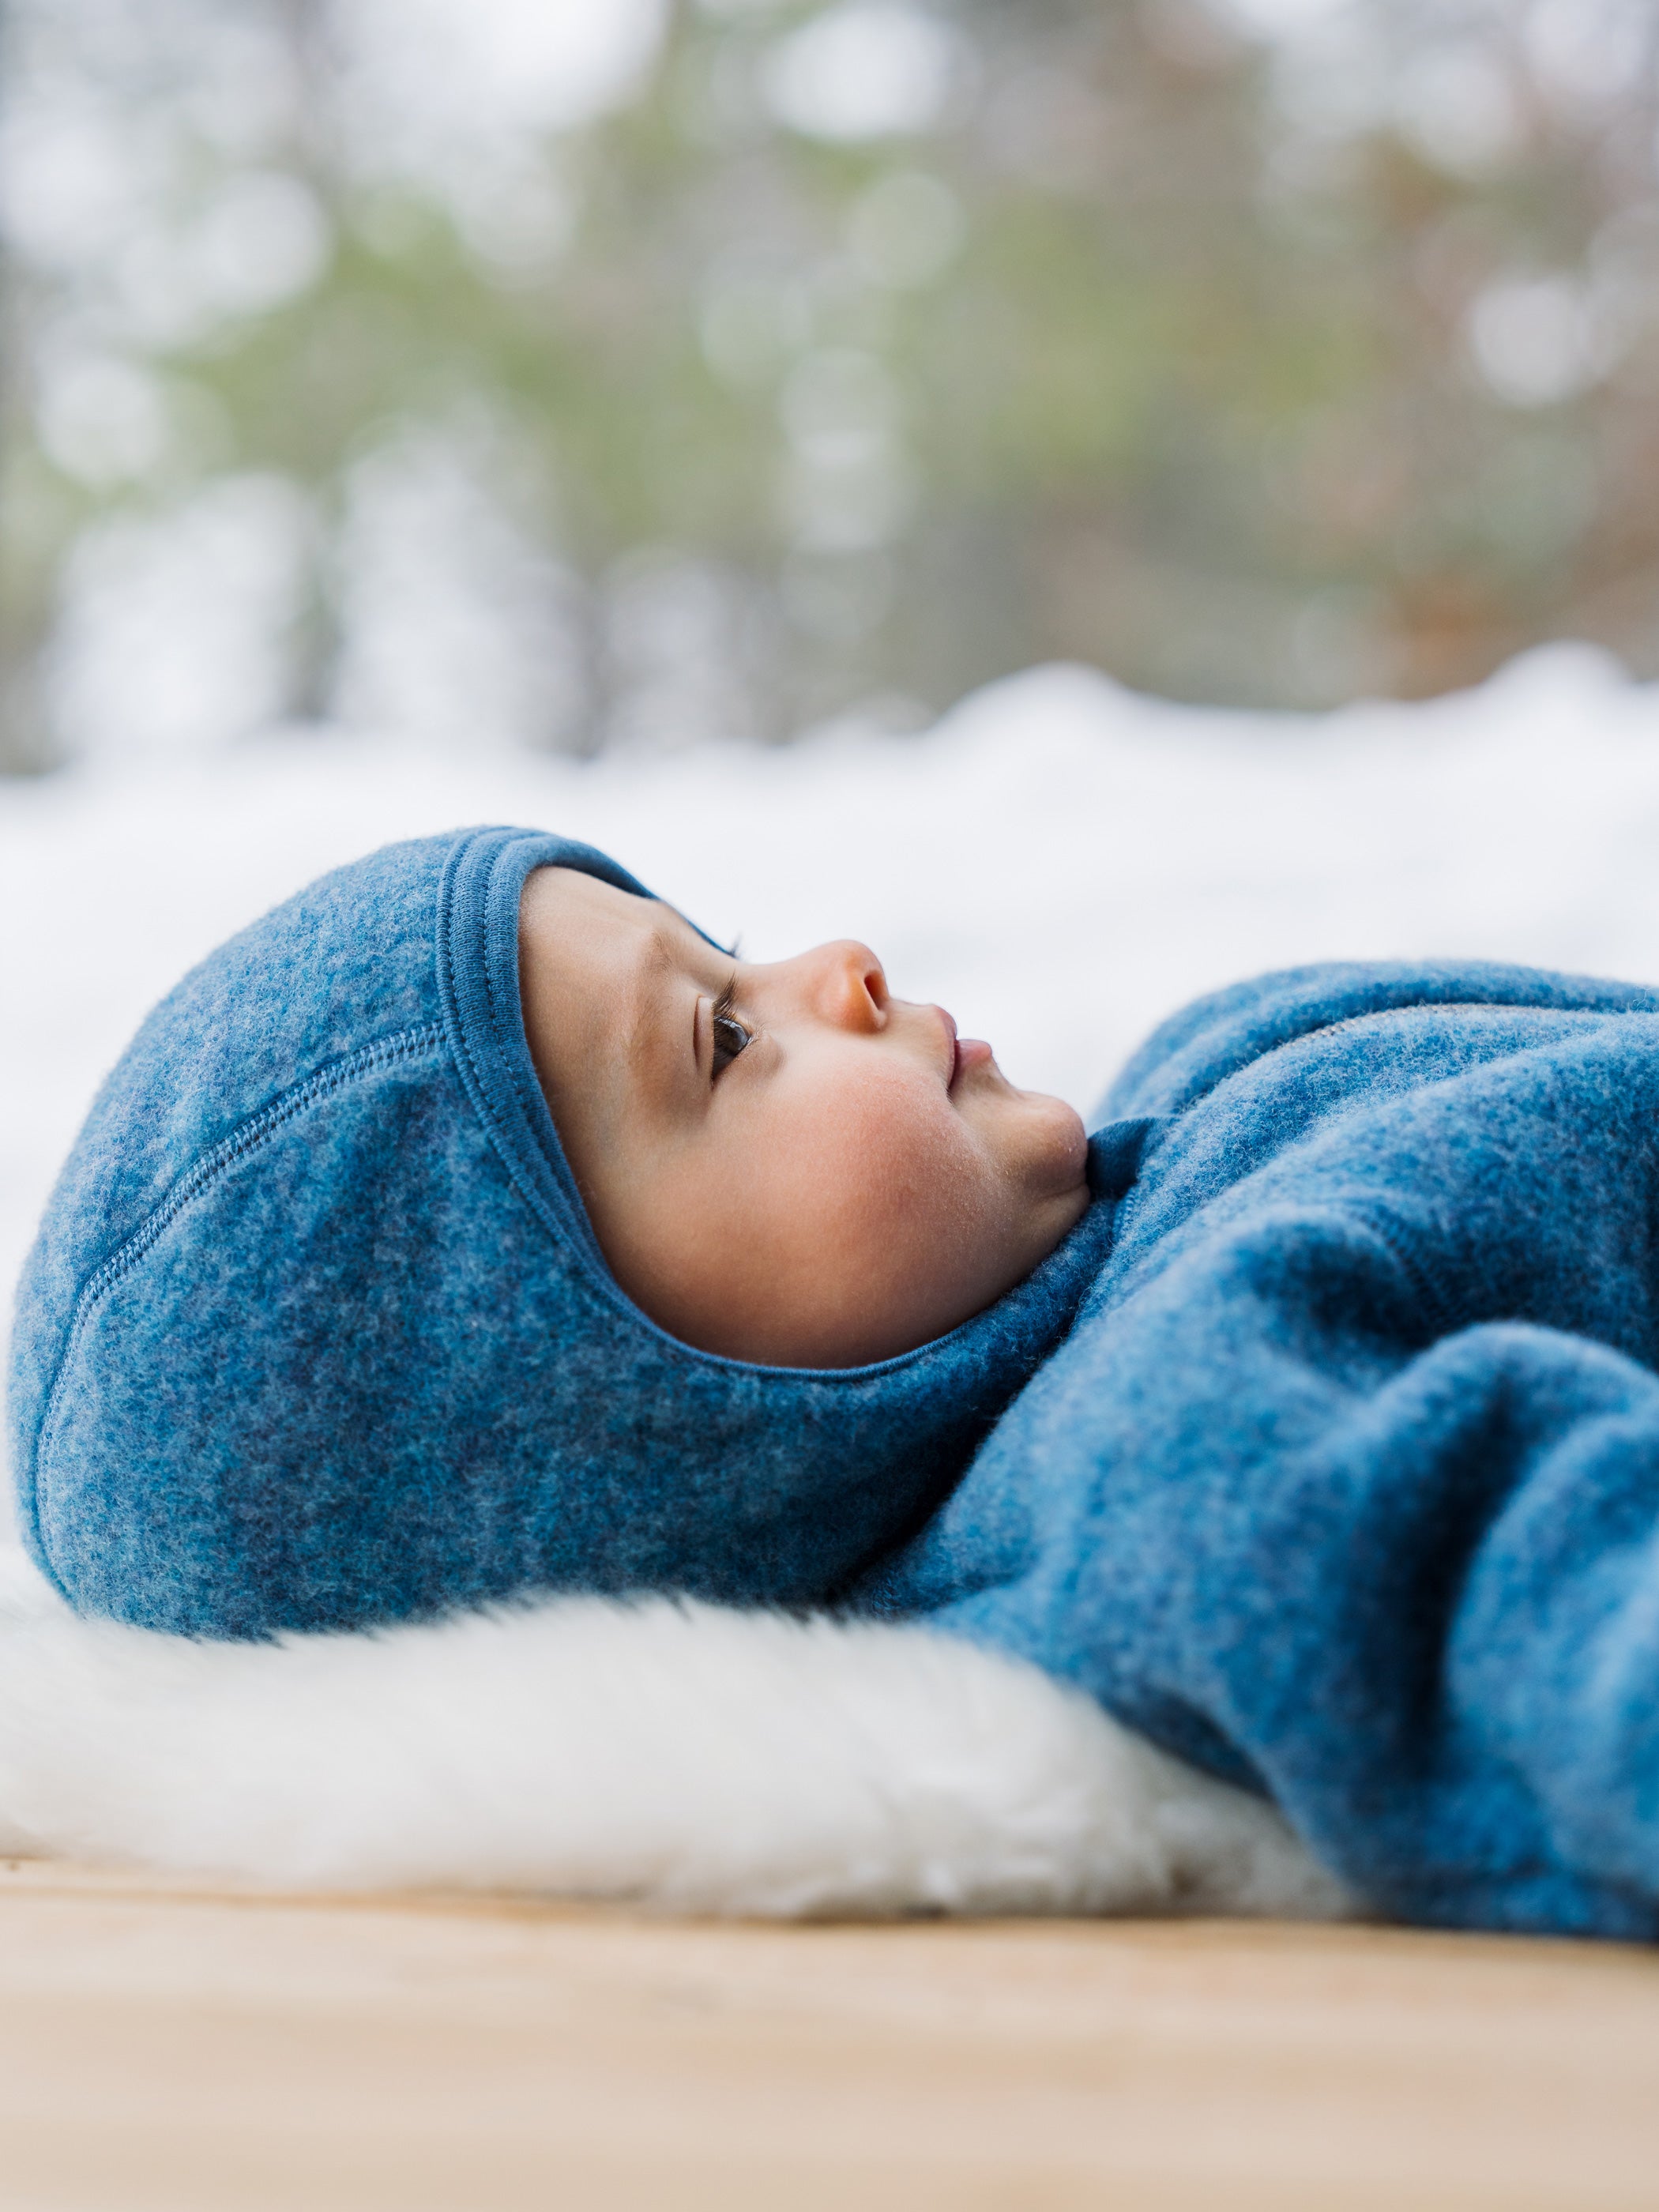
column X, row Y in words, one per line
column 316, row 1333
column 1345, row 1483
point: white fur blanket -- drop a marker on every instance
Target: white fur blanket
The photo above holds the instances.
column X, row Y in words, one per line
column 679, row 1755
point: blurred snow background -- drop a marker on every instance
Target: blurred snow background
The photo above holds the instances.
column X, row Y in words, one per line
column 1060, row 861
column 597, row 372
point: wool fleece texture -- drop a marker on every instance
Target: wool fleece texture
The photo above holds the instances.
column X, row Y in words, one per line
column 316, row 1333
column 1345, row 1486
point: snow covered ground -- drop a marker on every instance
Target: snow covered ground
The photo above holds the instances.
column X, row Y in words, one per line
column 1059, row 861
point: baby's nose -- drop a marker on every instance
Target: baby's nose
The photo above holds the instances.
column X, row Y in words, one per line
column 850, row 984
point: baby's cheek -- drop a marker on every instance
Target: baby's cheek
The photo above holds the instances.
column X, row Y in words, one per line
column 930, row 1220
column 880, row 1223
column 895, row 1141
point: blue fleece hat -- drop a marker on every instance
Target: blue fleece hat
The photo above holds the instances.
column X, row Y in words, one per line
column 316, row 1333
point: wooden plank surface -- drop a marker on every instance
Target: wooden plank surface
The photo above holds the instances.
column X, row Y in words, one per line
column 168, row 2048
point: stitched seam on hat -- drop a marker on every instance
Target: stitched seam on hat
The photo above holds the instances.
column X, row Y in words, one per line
column 478, row 1080
column 407, row 1044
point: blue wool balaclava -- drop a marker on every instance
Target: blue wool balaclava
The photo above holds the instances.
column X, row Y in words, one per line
column 316, row 1333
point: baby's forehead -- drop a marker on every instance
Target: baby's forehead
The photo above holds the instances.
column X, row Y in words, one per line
column 616, row 920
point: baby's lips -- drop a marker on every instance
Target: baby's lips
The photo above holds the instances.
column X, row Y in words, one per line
column 965, row 1052
column 971, row 1052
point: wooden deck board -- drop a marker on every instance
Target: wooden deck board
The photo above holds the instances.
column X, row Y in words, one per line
column 171, row 2048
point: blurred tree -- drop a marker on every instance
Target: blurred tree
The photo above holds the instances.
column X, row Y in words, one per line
column 834, row 355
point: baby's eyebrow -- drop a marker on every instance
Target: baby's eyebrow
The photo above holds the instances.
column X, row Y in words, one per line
column 679, row 945
column 727, row 951
column 651, row 1042
column 656, row 964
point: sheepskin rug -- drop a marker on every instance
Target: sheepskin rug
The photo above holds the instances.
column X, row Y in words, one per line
column 682, row 1756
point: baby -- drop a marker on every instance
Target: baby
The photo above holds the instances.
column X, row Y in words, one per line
column 473, row 1226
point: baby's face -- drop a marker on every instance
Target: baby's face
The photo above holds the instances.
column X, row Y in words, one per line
column 782, row 1163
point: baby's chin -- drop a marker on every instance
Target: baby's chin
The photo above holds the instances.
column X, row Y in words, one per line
column 1071, row 1144
column 1041, row 1136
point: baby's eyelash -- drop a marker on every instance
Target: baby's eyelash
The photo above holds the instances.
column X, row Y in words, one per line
column 730, row 1037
